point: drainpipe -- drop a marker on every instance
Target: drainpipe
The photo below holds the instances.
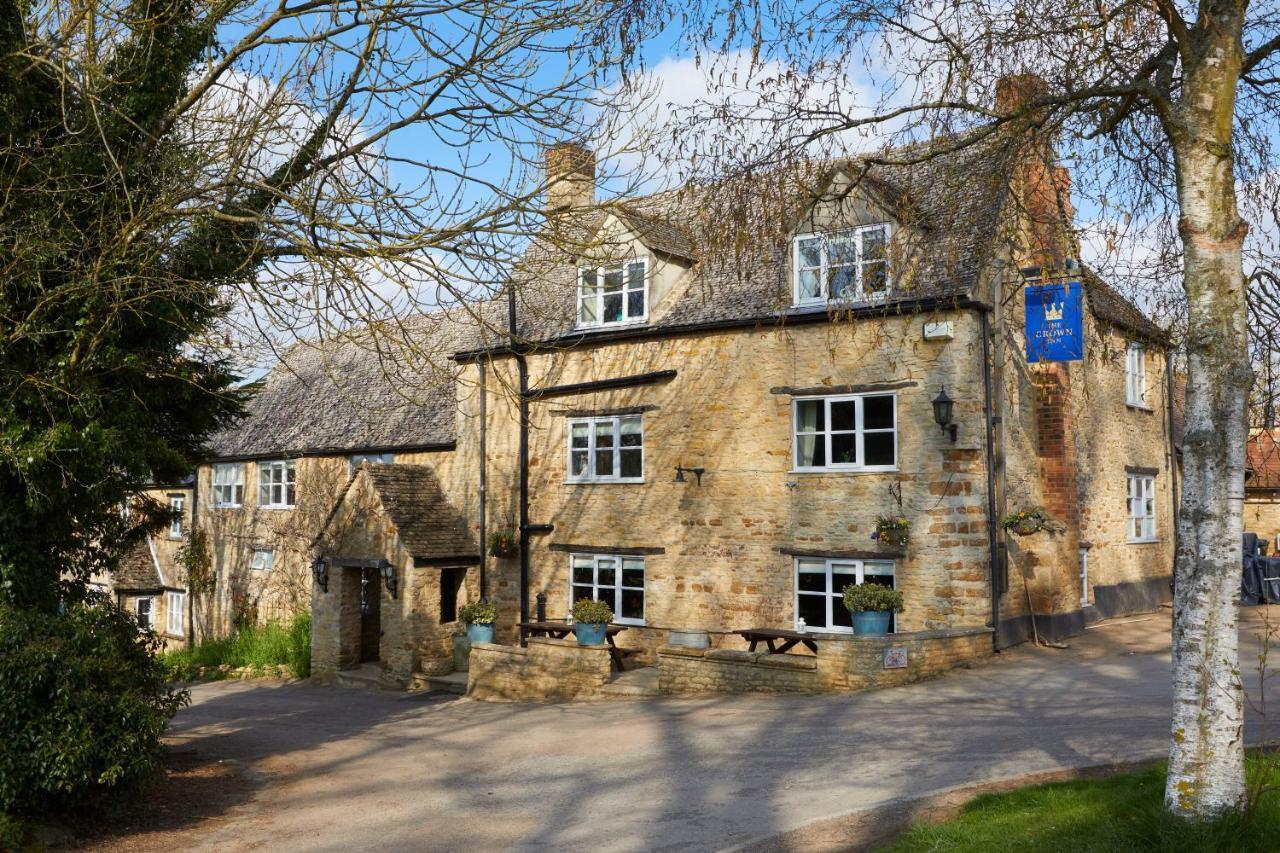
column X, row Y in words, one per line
column 195, row 520
column 992, row 542
column 1173, row 449
column 484, row 475
column 522, row 367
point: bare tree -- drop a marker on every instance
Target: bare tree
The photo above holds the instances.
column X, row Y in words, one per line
column 1168, row 111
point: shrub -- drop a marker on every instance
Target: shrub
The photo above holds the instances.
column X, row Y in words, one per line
column 83, row 703
column 873, row 597
column 480, row 613
column 257, row 647
column 590, row 612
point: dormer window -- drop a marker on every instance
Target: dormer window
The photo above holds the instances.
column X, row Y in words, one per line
column 844, row 266
column 613, row 295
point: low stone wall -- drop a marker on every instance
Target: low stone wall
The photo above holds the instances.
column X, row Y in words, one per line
column 546, row 669
column 842, row 663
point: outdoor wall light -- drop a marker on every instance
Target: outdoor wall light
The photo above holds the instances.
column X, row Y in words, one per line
column 943, row 408
column 697, row 472
column 388, row 576
column 320, row 571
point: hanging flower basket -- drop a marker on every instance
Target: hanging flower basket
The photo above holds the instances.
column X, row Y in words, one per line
column 892, row 530
column 1028, row 522
column 503, row 543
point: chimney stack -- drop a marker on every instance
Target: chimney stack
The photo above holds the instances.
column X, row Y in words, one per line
column 1042, row 188
column 571, row 177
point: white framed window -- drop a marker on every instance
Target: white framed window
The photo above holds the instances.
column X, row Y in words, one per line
column 228, row 484
column 841, row 266
column 277, row 484
column 609, row 449
column 175, row 608
column 616, row 580
column 1135, row 375
column 1142, row 508
column 851, row 432
column 820, row 587
column 263, row 560
column 358, row 459
column 143, row 608
column 176, row 505
column 613, row 295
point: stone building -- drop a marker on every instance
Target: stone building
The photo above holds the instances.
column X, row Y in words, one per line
column 702, row 428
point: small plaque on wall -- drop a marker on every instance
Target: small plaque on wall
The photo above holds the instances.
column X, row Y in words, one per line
column 895, row 658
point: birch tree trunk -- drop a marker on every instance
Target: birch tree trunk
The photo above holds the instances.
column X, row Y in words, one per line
column 1206, row 758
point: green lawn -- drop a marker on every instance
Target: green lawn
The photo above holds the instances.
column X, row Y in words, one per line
column 1120, row 813
column 257, row 647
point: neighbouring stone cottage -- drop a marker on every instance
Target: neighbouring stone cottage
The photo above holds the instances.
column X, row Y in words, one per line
column 1262, row 484
column 703, row 430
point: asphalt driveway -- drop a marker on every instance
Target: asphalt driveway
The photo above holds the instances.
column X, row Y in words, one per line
column 339, row 769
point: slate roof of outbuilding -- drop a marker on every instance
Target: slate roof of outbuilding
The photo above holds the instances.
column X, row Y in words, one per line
column 137, row 570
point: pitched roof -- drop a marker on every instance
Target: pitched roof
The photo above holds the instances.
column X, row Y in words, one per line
column 1107, row 304
column 351, row 395
column 138, row 569
column 430, row 527
column 659, row 235
column 1262, row 459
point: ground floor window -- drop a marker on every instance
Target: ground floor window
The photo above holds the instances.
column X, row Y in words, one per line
column 1142, row 508
column 616, row 580
column 820, row 587
column 264, row 560
column 146, row 616
column 175, row 609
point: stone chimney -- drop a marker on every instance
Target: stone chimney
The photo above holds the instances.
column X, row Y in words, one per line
column 571, row 177
column 1041, row 187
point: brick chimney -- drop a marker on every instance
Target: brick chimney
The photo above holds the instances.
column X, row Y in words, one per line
column 571, row 176
column 1041, row 187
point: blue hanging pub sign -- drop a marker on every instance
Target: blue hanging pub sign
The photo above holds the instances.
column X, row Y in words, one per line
column 1055, row 322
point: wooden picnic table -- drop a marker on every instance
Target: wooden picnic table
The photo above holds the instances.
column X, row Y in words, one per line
column 559, row 629
column 772, row 636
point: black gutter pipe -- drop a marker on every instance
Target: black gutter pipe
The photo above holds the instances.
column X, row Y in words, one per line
column 484, row 477
column 992, row 542
column 522, row 367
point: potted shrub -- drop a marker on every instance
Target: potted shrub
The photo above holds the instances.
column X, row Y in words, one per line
column 479, row 618
column 870, row 605
column 503, row 543
column 1027, row 522
column 590, row 618
column 892, row 530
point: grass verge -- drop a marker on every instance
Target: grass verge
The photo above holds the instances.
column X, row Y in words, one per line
column 1117, row 814
column 257, row 647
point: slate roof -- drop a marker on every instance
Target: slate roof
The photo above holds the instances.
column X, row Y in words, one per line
column 1110, row 306
column 137, row 570
column 348, row 395
column 1262, row 459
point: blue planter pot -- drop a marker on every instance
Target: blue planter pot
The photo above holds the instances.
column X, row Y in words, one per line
column 589, row 635
column 870, row 621
column 479, row 633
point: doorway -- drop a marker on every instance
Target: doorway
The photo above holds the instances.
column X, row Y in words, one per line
column 370, row 615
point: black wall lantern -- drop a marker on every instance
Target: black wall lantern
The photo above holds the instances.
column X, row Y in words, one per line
column 388, row 576
column 943, row 408
column 320, row 571
column 697, row 472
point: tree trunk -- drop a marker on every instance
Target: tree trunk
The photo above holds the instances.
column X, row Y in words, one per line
column 1206, row 759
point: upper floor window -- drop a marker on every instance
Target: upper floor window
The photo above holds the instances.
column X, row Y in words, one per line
column 852, row 432
column 617, row 294
column 617, row 581
column 841, row 265
column 606, row 449
column 820, row 590
column 1135, row 375
column 276, row 484
column 228, row 484
column 357, row 459
column 176, row 504
column 1142, row 508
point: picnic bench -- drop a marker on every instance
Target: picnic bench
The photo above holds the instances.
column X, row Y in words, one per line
column 559, row 629
column 778, row 640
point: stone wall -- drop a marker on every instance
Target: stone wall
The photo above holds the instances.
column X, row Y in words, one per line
column 546, row 669
column 842, row 663
column 1262, row 516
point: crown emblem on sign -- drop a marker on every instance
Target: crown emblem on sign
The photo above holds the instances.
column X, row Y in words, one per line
column 1054, row 310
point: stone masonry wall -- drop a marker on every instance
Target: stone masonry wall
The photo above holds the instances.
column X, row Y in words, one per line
column 546, row 669
column 844, row 663
column 1262, row 516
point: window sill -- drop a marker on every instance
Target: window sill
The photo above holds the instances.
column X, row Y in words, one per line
column 628, row 482
column 277, row 506
column 1140, row 407
column 604, row 327
column 1155, row 541
column 892, row 470
column 228, row 506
